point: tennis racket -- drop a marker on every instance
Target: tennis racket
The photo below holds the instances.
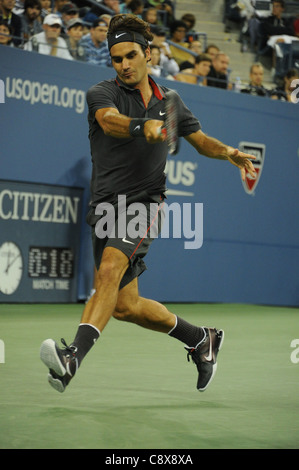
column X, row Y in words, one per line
column 170, row 126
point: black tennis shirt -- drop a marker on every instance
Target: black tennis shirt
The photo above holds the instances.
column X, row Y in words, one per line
column 130, row 165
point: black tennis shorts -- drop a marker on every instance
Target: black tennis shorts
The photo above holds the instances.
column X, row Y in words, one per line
column 131, row 226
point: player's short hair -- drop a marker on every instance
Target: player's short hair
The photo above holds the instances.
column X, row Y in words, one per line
column 137, row 31
column 130, row 23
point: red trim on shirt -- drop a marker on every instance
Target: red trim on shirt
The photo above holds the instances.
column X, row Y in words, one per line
column 158, row 92
column 156, row 89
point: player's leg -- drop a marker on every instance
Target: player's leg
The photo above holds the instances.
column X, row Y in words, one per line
column 202, row 344
column 147, row 313
column 102, row 304
column 155, row 316
column 63, row 363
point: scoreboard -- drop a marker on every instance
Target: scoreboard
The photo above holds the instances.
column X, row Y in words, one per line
column 40, row 229
column 50, row 262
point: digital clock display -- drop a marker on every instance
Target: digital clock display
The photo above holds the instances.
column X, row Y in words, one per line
column 50, row 262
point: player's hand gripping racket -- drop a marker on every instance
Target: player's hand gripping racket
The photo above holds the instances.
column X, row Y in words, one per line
column 170, row 127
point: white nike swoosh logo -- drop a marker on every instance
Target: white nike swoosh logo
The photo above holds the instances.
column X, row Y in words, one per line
column 68, row 367
column 210, row 356
column 161, row 114
column 119, row 35
column 127, row 241
column 136, row 128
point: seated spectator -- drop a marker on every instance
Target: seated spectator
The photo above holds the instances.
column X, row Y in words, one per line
column 250, row 23
column 194, row 46
column 18, row 8
column 154, row 64
column 113, row 5
column 151, row 16
column 31, row 24
column 136, row 7
column 285, row 92
column 58, row 5
column 160, row 65
column 177, row 35
column 105, row 17
column 5, row 34
column 46, row 9
column 255, row 86
column 197, row 74
column 123, row 7
column 285, row 38
column 244, row 13
column 218, row 75
column 95, row 44
column 189, row 20
column 275, row 29
column 49, row 42
column 163, row 6
column 275, row 24
column 68, row 12
column 282, row 46
column 159, row 39
column 168, row 64
column 74, row 35
column 212, row 50
column 12, row 20
column 99, row 9
column 231, row 13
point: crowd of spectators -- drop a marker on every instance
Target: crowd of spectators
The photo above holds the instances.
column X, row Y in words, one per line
column 78, row 31
column 268, row 28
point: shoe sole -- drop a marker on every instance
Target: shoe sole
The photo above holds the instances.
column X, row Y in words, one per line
column 56, row 383
column 221, row 332
column 49, row 356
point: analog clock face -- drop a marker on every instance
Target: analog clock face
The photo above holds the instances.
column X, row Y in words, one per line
column 11, row 267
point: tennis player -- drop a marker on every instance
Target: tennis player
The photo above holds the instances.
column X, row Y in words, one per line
column 129, row 153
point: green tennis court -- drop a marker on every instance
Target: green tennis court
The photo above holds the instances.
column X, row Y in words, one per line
column 136, row 390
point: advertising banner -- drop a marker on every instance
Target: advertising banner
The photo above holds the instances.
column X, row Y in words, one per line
column 39, row 242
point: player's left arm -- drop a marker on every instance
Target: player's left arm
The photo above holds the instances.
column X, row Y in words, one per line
column 213, row 148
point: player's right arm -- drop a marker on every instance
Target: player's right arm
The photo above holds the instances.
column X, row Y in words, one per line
column 117, row 125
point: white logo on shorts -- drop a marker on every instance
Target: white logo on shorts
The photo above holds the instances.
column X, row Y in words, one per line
column 126, row 241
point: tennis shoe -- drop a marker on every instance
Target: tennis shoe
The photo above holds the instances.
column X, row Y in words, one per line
column 62, row 363
column 204, row 356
